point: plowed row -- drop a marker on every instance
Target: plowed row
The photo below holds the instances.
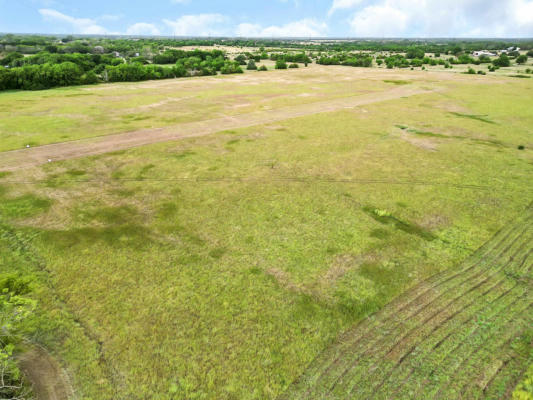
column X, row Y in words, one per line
column 460, row 334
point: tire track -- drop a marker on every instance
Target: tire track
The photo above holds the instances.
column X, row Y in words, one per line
column 24, row 158
column 434, row 330
column 383, row 317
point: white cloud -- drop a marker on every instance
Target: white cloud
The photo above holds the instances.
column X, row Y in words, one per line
column 197, row 25
column 303, row 28
column 78, row 25
column 343, row 4
column 437, row 18
column 379, row 21
column 142, row 28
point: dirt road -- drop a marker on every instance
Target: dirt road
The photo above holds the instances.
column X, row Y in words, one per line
column 24, row 158
column 48, row 379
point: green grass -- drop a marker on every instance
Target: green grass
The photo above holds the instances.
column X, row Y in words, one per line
column 222, row 266
column 458, row 335
column 30, row 118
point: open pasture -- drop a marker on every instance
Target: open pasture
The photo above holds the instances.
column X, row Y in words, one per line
column 240, row 264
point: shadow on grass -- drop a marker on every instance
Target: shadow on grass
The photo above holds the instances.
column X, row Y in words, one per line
column 385, row 218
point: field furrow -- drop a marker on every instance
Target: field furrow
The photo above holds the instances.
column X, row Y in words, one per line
column 451, row 335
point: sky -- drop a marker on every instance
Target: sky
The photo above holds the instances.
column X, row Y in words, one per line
column 272, row 18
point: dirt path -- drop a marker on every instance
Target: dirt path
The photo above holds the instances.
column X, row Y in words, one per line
column 18, row 159
column 48, row 379
column 457, row 335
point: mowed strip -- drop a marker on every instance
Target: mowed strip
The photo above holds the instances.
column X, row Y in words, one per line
column 18, row 159
column 460, row 334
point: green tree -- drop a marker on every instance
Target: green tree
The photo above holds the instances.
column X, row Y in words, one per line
column 281, row 64
column 522, row 59
column 502, row 61
column 251, row 65
column 241, row 59
column 415, row 52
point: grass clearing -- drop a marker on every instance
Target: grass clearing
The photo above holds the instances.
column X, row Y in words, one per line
column 222, row 266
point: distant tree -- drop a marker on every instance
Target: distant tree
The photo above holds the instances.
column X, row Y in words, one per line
column 281, row 64
column 251, row 65
column 263, row 68
column 502, row 61
column 415, row 52
column 293, row 65
column 522, row 59
column 231, row 67
column 456, row 50
column 10, row 57
column 89, row 78
column 51, row 48
column 530, row 53
column 241, row 59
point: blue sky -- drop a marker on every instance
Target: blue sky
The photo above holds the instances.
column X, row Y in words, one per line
column 272, row 18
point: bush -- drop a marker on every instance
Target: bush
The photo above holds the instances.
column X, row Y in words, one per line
column 231, row 67
column 251, row 65
column 241, row 59
column 263, row 68
column 281, row 64
column 14, row 310
column 89, row 78
column 293, row 65
column 521, row 59
column 502, row 61
column 471, row 71
column 414, row 52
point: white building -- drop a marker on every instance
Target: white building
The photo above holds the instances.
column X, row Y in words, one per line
column 483, row 53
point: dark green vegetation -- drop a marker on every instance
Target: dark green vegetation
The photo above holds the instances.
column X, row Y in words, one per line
column 15, row 310
column 464, row 333
column 52, row 62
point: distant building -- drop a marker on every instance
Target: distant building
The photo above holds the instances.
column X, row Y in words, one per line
column 116, row 54
column 483, row 53
column 98, row 50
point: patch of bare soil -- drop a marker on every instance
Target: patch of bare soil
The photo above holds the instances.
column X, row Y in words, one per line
column 18, row 159
column 426, row 144
column 48, row 379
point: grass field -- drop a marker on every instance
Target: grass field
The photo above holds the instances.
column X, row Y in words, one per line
column 231, row 265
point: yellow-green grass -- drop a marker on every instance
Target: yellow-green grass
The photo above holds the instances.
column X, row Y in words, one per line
column 220, row 267
column 58, row 115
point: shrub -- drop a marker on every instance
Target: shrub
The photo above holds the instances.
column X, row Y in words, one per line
column 231, row 67
column 241, row 59
column 502, row 61
column 293, row 65
column 281, row 64
column 251, row 65
column 263, row 68
column 14, row 310
column 521, row 59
